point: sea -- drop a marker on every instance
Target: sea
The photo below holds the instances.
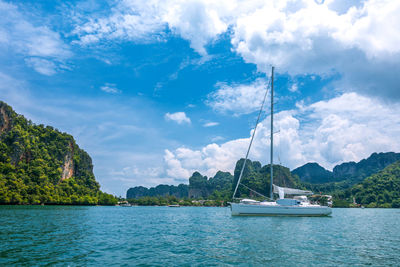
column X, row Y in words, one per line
column 194, row 236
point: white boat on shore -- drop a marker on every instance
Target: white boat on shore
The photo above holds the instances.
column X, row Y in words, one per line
column 296, row 206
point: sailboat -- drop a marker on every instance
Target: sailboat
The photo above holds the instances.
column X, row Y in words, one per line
column 298, row 205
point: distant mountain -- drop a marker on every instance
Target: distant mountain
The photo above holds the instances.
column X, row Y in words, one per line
column 381, row 189
column 180, row 191
column 359, row 171
column 349, row 172
column 313, row 173
column 257, row 178
column 41, row 165
column 199, row 187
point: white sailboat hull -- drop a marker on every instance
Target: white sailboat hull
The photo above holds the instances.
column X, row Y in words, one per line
column 279, row 210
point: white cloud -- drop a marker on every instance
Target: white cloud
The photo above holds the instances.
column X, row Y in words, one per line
column 45, row 50
column 174, row 164
column 142, row 21
column 217, row 138
column 178, row 117
column 131, row 20
column 210, row 124
column 346, row 128
column 43, row 66
column 197, row 21
column 294, row 88
column 358, row 40
column 303, row 37
column 110, row 88
column 238, row 98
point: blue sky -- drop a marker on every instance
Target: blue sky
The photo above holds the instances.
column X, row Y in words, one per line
column 156, row 90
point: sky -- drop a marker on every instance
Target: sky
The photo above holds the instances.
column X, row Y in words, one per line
column 155, row 90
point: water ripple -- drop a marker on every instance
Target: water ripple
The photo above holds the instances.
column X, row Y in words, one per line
column 194, row 236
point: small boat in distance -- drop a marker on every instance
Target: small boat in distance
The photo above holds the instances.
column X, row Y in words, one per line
column 124, row 204
column 296, row 206
column 174, row 206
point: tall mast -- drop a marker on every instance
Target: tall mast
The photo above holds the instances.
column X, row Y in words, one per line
column 272, row 130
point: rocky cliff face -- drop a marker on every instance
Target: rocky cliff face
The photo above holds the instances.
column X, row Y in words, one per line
column 39, row 164
column 68, row 166
column 257, row 178
column 198, row 186
column 345, row 170
column 20, row 145
column 366, row 167
column 348, row 171
column 4, row 118
column 313, row 173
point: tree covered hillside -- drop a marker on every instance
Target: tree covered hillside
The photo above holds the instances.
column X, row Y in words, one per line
column 40, row 165
column 199, row 187
column 381, row 189
column 346, row 174
column 257, row 178
column 313, row 173
column 163, row 190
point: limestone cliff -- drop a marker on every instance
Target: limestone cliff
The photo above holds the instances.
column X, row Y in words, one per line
column 68, row 166
column 4, row 118
column 39, row 164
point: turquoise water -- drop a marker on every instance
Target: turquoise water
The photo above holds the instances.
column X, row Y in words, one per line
column 197, row 236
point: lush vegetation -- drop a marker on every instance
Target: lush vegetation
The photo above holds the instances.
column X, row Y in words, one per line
column 200, row 187
column 217, row 190
column 257, row 178
column 379, row 190
column 357, row 172
column 355, row 184
column 313, row 173
column 346, row 174
column 179, row 191
column 172, row 200
column 40, row 165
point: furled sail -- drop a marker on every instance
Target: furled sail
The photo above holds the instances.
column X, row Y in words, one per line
column 282, row 191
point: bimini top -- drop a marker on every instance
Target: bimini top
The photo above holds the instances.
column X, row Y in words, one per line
column 282, row 191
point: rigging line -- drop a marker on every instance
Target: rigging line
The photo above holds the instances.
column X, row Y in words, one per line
column 254, row 191
column 280, row 163
column 251, row 141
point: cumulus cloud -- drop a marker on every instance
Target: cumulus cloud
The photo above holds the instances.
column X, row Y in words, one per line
column 237, row 98
column 182, row 162
column 175, row 169
column 178, row 117
column 357, row 39
column 43, row 48
column 197, row 21
column 143, row 21
column 346, row 128
column 304, row 37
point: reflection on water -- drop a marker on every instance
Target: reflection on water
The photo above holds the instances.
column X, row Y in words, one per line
column 32, row 235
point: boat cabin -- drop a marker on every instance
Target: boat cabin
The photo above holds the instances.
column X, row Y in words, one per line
column 288, row 202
